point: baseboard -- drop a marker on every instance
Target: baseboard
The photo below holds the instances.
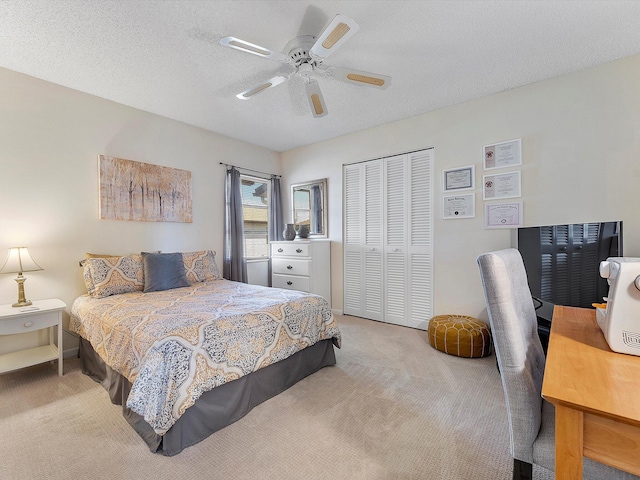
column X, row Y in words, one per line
column 70, row 352
column 335, row 311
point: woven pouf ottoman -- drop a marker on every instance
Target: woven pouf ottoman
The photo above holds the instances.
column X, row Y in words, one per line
column 460, row 335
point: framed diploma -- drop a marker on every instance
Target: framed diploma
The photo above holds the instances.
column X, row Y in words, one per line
column 505, row 154
column 456, row 179
column 503, row 215
column 459, row 206
column 501, row 185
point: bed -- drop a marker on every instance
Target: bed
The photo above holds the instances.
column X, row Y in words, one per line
column 187, row 361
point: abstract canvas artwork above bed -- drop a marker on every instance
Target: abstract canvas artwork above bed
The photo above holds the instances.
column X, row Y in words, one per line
column 141, row 191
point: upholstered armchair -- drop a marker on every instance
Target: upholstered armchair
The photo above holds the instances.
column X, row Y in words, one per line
column 521, row 361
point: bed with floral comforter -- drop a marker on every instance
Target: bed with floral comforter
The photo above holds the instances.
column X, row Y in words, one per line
column 174, row 345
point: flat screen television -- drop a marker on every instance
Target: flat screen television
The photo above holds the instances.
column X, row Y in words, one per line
column 562, row 261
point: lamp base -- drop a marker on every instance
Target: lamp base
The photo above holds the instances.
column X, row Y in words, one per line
column 24, row 303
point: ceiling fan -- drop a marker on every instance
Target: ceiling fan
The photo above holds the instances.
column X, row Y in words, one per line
column 306, row 54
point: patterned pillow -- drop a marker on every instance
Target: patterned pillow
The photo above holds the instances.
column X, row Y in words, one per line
column 200, row 266
column 86, row 273
column 112, row 275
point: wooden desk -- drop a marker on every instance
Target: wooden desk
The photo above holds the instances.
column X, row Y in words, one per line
column 596, row 393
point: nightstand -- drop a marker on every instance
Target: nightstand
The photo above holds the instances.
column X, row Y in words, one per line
column 42, row 314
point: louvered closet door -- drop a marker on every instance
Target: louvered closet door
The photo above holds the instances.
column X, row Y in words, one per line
column 420, row 238
column 395, row 253
column 373, row 278
column 363, row 274
column 388, row 259
column 353, row 240
column 408, row 239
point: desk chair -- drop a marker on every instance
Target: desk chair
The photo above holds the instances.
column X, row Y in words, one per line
column 521, row 361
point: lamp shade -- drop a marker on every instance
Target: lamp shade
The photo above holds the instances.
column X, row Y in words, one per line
column 19, row 261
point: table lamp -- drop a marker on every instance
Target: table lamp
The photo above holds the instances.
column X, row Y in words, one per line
column 19, row 261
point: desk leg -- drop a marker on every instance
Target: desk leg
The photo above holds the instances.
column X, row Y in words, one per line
column 569, row 443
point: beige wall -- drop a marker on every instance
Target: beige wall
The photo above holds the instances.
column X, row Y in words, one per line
column 50, row 137
column 581, row 148
column 581, row 162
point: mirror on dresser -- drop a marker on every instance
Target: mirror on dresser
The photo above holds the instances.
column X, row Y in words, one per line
column 309, row 206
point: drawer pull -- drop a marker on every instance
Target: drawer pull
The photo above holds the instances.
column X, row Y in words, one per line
column 299, row 250
column 27, row 324
column 289, row 267
column 289, row 282
column 280, row 250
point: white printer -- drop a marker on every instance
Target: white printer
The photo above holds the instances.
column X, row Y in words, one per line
column 619, row 319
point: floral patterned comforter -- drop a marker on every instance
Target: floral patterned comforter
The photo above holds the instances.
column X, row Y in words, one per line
column 177, row 344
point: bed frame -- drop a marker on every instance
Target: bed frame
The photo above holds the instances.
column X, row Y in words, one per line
column 216, row 408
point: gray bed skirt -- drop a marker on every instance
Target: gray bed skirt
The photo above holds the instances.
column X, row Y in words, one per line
column 216, row 408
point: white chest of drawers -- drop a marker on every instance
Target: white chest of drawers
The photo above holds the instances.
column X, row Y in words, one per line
column 302, row 265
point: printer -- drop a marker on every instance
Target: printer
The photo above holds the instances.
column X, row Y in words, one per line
column 619, row 318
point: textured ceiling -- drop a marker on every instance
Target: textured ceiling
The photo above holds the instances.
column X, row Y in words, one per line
column 163, row 56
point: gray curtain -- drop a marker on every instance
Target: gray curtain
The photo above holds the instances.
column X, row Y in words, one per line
column 276, row 222
column 234, row 263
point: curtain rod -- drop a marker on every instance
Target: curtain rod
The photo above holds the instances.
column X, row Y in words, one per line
column 250, row 170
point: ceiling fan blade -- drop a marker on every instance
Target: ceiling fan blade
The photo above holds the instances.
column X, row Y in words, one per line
column 339, row 31
column 316, row 101
column 272, row 82
column 244, row 46
column 359, row 77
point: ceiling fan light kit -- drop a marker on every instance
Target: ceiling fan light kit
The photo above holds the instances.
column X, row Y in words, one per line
column 306, row 54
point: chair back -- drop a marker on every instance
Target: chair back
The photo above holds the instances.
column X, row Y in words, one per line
column 520, row 356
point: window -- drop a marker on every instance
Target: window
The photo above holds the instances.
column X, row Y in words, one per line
column 255, row 201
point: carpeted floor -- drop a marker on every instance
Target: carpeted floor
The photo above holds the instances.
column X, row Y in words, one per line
column 392, row 408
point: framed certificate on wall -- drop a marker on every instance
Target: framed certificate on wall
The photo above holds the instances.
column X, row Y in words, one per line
column 503, row 215
column 459, row 206
column 501, row 185
column 500, row 155
column 456, row 179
